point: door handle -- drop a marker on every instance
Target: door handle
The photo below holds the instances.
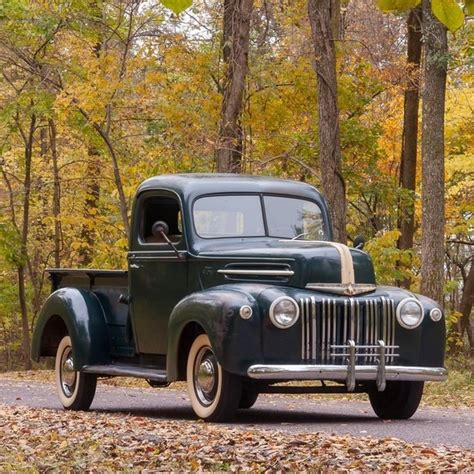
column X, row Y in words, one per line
column 134, row 265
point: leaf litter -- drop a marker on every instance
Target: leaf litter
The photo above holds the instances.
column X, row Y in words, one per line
column 45, row 440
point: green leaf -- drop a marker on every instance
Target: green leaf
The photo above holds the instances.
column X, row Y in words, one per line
column 469, row 7
column 397, row 5
column 177, row 6
column 449, row 13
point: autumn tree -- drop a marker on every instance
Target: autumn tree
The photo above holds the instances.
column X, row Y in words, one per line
column 146, row 83
column 321, row 15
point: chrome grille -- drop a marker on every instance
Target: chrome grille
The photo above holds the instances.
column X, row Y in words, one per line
column 333, row 322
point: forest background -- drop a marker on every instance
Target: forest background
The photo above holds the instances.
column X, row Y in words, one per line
column 98, row 95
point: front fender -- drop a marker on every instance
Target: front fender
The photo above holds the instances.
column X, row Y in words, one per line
column 433, row 336
column 236, row 342
column 82, row 314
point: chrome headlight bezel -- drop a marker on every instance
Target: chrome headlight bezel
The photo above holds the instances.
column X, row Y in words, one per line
column 400, row 314
column 273, row 312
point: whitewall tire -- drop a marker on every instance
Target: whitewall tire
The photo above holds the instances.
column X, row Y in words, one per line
column 75, row 389
column 215, row 393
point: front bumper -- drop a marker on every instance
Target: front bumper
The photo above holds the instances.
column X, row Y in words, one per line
column 348, row 373
column 352, row 372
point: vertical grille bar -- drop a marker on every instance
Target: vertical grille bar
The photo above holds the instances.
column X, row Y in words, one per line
column 326, row 322
column 357, row 322
column 313, row 328
column 389, row 325
column 334, row 328
column 303, row 333
column 323, row 330
column 378, row 325
column 367, row 324
column 308, row 333
column 392, row 339
column 385, row 326
column 372, row 325
column 368, row 312
column 344, row 332
column 352, row 319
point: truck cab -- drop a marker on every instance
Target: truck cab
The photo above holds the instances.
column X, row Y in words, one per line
column 235, row 285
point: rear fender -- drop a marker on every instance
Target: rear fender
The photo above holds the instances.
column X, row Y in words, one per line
column 79, row 313
column 236, row 341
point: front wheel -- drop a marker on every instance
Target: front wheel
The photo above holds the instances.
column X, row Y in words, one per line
column 214, row 392
column 399, row 400
column 75, row 389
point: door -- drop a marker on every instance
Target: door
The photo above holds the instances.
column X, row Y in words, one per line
column 157, row 269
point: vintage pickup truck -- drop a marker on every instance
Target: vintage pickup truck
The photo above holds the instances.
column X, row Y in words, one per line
column 235, row 286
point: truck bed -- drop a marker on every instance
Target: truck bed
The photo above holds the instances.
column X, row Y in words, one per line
column 87, row 278
column 108, row 286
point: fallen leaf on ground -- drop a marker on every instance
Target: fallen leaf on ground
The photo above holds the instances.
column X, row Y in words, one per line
column 44, row 440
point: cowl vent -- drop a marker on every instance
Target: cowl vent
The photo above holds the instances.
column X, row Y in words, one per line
column 254, row 271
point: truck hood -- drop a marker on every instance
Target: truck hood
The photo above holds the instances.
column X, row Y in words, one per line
column 318, row 265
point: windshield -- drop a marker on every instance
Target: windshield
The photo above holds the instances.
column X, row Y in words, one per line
column 234, row 215
column 228, row 216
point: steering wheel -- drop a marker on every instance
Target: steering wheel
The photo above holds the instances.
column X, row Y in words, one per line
column 296, row 237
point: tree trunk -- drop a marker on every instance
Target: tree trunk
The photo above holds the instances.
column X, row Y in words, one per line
column 28, row 139
column 336, row 19
column 321, row 14
column 25, row 327
column 237, row 16
column 117, row 178
column 465, row 308
column 432, row 151
column 56, row 194
column 410, row 133
column 91, row 204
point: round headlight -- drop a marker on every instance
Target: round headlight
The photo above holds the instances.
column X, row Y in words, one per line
column 436, row 314
column 284, row 312
column 409, row 313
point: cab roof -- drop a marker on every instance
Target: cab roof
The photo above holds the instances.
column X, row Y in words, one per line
column 191, row 185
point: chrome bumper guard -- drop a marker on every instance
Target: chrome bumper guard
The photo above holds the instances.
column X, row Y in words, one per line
column 350, row 373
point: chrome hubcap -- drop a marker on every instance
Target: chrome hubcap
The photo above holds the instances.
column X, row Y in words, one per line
column 205, row 376
column 68, row 374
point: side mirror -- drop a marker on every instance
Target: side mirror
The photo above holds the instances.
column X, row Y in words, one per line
column 359, row 242
column 159, row 228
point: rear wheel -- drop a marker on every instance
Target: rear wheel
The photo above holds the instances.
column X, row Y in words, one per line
column 75, row 389
column 214, row 392
column 399, row 400
column 248, row 398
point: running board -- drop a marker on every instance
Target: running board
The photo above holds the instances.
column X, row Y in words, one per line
column 155, row 375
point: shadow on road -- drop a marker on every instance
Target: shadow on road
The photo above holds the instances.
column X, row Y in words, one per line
column 258, row 415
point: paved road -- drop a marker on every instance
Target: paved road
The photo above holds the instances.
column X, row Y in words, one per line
column 271, row 412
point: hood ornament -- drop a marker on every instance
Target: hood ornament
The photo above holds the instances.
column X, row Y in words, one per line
column 348, row 286
column 347, row 289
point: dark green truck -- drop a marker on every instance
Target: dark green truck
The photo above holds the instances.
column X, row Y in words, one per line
column 234, row 285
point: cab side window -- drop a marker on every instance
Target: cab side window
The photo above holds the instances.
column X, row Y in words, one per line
column 156, row 211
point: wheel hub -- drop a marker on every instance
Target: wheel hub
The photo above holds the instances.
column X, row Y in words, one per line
column 68, row 374
column 205, row 376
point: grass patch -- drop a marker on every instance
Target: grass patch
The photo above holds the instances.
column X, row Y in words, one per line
column 456, row 392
